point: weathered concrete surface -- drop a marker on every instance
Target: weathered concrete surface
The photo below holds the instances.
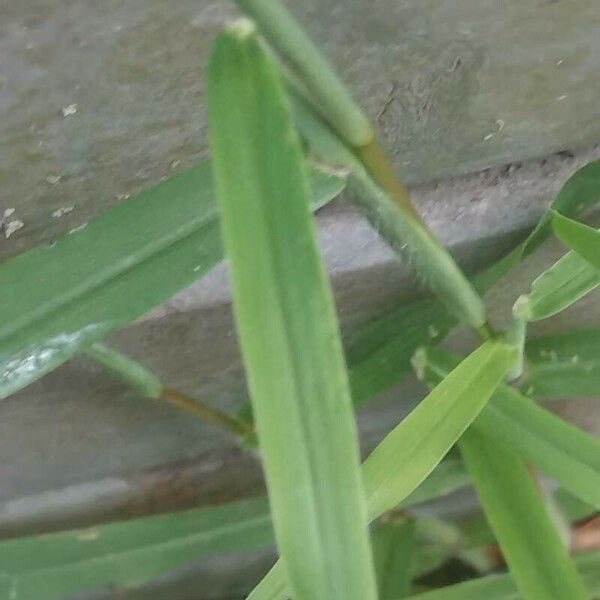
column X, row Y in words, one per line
column 456, row 86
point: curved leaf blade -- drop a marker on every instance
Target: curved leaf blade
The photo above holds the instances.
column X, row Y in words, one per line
column 565, row 282
column 583, row 239
column 557, row 447
column 429, row 431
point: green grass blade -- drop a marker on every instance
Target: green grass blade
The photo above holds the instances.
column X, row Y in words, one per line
column 503, row 587
column 393, row 550
column 59, row 299
column 565, row 365
column 415, row 446
column 559, row 286
column 580, row 193
column 330, row 94
column 52, row 566
column 405, row 234
column 514, row 421
column 583, row 239
column 557, row 447
column 411, row 451
column 287, row 327
column 514, row 506
column 126, row 369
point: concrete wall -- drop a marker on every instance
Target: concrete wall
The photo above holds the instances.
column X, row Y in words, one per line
column 487, row 107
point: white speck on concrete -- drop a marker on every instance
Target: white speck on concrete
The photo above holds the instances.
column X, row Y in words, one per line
column 560, row 62
column 12, row 227
column 67, row 111
column 63, row 210
column 53, row 179
column 489, row 136
column 561, row 98
column 76, row 229
column 9, row 212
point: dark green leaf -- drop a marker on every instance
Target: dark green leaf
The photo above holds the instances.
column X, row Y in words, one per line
column 58, row 299
column 287, row 326
column 52, row 566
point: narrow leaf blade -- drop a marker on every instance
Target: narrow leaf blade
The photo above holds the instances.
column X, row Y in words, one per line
column 565, row 282
column 50, row 566
column 583, row 239
column 557, row 447
column 411, row 450
column 287, row 327
column 503, row 587
column 533, row 549
column 580, row 193
column 61, row 298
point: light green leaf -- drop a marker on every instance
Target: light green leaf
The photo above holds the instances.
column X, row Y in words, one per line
column 287, row 326
column 393, row 549
column 565, row 282
column 583, row 239
column 564, row 365
column 514, row 421
column 503, row 587
column 411, row 451
column 413, row 448
column 531, row 545
column 52, row 566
